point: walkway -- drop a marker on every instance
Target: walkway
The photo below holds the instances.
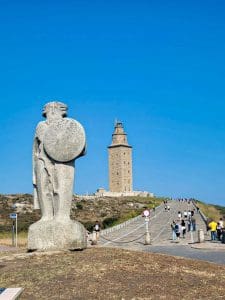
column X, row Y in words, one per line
column 132, row 236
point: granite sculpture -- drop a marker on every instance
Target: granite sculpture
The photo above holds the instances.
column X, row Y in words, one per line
column 58, row 142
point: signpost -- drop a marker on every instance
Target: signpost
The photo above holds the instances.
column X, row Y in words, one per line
column 13, row 216
column 146, row 214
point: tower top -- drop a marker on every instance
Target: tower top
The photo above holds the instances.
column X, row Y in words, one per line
column 119, row 137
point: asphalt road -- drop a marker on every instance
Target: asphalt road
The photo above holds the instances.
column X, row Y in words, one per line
column 188, row 252
column 161, row 237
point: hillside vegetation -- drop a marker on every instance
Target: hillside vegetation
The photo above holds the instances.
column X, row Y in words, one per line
column 212, row 212
column 107, row 210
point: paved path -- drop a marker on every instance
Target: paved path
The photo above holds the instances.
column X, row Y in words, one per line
column 159, row 227
column 132, row 236
column 189, row 252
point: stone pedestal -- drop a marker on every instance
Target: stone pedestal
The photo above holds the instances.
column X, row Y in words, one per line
column 57, row 235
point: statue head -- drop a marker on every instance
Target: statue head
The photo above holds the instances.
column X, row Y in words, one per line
column 55, row 108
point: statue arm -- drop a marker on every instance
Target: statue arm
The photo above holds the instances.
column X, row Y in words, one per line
column 34, row 156
column 34, row 161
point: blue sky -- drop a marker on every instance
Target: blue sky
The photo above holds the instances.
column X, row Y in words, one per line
column 158, row 66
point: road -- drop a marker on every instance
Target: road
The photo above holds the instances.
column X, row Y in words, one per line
column 132, row 236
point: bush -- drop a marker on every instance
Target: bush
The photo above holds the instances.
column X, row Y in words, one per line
column 79, row 205
column 108, row 222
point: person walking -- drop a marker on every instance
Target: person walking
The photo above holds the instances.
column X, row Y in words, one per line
column 177, row 229
column 183, row 227
column 221, row 222
column 179, row 214
column 218, row 231
column 193, row 223
column 189, row 224
column 174, row 237
column 212, row 226
column 96, row 231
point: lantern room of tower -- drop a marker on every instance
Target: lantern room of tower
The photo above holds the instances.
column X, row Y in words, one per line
column 119, row 137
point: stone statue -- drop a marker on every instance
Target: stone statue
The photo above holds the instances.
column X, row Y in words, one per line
column 57, row 143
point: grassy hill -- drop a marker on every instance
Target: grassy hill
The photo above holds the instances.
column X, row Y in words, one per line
column 211, row 211
column 107, row 210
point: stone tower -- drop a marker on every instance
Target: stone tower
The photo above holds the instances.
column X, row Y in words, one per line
column 120, row 161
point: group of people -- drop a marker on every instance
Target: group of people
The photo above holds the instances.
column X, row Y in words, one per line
column 178, row 229
column 188, row 200
column 217, row 229
column 185, row 222
column 166, row 205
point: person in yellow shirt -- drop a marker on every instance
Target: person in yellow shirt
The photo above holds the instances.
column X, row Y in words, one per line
column 213, row 226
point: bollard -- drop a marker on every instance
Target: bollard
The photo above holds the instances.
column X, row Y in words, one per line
column 147, row 234
column 201, row 237
column 147, row 239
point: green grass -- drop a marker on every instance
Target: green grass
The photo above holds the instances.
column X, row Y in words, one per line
column 6, row 238
column 148, row 202
column 211, row 211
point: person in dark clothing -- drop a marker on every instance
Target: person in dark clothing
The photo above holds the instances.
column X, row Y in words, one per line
column 218, row 231
column 183, row 226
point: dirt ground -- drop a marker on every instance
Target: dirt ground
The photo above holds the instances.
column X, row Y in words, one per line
column 107, row 273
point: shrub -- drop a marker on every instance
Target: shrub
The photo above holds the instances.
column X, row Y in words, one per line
column 108, row 222
column 79, row 205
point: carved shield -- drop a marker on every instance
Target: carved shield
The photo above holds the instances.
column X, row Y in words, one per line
column 64, row 140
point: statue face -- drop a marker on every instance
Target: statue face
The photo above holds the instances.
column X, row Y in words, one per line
column 54, row 110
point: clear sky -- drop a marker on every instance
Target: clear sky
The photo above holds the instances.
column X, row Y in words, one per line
column 158, row 66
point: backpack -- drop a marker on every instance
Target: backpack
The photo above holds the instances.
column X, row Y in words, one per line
column 176, row 228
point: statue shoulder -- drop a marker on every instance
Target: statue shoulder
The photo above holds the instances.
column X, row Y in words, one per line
column 40, row 129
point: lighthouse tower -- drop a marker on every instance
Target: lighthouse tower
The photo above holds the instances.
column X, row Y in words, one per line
column 120, row 161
